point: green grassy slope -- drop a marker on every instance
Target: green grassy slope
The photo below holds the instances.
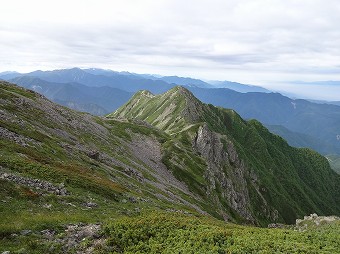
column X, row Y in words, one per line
column 93, row 158
column 293, row 181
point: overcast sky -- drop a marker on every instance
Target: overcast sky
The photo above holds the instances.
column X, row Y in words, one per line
column 263, row 42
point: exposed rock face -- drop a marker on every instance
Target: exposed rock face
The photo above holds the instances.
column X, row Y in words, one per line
column 277, row 225
column 193, row 107
column 227, row 173
column 149, row 151
column 230, row 179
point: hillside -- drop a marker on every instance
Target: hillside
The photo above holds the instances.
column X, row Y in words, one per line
column 251, row 158
column 68, row 179
column 58, row 167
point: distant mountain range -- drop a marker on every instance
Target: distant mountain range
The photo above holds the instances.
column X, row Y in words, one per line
column 301, row 140
column 99, row 91
column 127, row 81
column 242, row 88
column 95, row 100
column 302, row 123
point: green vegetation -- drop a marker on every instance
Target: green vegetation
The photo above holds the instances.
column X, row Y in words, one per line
column 162, row 111
column 291, row 180
column 176, row 233
column 124, row 171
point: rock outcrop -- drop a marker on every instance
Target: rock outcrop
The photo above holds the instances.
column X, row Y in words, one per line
column 229, row 180
column 313, row 220
column 37, row 184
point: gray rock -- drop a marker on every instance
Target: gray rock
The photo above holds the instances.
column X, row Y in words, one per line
column 48, row 233
column 26, row 232
column 276, row 225
column 233, row 182
column 94, row 155
column 132, row 200
column 19, row 139
column 35, row 183
column 91, row 204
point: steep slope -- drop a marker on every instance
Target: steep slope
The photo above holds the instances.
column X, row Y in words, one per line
column 240, row 166
column 103, row 165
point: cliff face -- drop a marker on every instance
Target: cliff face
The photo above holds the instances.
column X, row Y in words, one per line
column 228, row 176
column 225, row 172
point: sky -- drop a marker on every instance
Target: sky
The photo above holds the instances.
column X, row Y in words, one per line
column 272, row 43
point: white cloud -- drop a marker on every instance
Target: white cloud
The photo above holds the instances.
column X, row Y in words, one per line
column 253, row 41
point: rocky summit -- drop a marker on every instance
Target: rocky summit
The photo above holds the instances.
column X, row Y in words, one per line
column 156, row 170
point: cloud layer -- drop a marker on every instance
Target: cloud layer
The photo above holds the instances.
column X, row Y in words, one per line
column 253, row 41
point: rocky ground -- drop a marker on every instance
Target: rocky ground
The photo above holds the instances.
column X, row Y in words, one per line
column 73, row 238
column 313, row 220
column 39, row 185
column 308, row 222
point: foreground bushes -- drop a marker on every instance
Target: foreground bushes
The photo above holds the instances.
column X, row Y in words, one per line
column 177, row 233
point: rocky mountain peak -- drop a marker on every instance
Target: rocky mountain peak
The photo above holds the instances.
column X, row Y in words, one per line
column 181, row 92
column 146, row 93
column 172, row 111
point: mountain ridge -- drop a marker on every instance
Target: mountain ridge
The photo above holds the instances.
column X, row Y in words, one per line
column 221, row 124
